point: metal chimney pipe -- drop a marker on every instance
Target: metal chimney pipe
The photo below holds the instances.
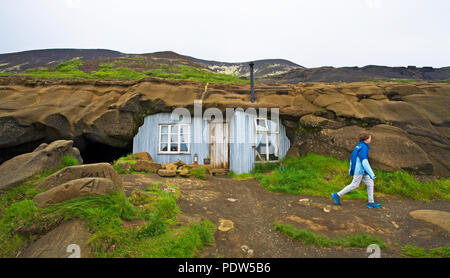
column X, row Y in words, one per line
column 252, row 83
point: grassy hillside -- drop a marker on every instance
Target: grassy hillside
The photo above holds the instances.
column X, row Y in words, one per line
column 116, row 70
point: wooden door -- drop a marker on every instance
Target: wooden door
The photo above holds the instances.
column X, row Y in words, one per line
column 219, row 149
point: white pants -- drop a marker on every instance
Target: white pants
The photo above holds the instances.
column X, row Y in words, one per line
column 355, row 183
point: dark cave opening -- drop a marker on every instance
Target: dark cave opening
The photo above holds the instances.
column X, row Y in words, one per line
column 95, row 152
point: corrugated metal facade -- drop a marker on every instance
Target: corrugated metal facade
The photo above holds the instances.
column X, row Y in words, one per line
column 242, row 138
column 147, row 139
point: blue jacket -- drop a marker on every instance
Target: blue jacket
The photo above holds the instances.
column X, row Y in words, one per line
column 359, row 161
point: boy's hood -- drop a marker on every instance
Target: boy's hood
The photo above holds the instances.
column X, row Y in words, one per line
column 362, row 143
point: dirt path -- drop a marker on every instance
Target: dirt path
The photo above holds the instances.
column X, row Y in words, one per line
column 254, row 210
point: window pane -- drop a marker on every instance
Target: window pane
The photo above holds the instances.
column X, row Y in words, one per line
column 184, row 129
column 164, row 138
column 260, row 146
column 184, row 138
column 173, row 147
column 174, row 129
column 273, row 147
column 164, row 129
column 261, row 125
column 183, row 147
column 273, row 126
column 174, row 138
column 163, row 147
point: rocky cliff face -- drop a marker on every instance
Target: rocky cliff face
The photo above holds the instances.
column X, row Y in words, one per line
column 410, row 122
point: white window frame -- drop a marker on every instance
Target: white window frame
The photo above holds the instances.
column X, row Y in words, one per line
column 265, row 123
column 178, row 142
column 267, row 133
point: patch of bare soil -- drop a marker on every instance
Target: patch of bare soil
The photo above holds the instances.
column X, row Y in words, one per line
column 253, row 210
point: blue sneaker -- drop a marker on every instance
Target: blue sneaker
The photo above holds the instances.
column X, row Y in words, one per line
column 373, row 205
column 336, row 198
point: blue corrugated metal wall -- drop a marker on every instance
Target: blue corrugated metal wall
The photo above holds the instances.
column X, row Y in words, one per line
column 242, row 138
column 146, row 140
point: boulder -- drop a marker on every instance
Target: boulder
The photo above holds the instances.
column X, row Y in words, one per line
column 146, row 166
column 184, row 173
column 45, row 157
column 74, row 189
column 124, row 166
column 167, row 173
column 56, row 243
column 391, row 148
column 100, row 170
column 173, row 166
column 142, row 156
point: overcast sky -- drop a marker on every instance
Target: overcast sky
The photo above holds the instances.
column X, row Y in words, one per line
column 311, row 33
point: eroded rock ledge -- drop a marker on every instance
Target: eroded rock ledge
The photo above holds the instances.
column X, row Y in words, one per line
column 410, row 122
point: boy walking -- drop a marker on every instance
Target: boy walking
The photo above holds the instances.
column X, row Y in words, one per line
column 360, row 170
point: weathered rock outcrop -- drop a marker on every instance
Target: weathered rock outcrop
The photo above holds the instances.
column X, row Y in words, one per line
column 98, row 170
column 414, row 118
column 436, row 217
column 77, row 181
column 58, row 242
column 391, row 147
column 45, row 157
column 74, row 189
column 146, row 166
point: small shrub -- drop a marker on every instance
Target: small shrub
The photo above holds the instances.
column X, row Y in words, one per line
column 21, row 213
column 155, row 227
column 68, row 160
column 205, row 230
column 166, row 207
column 199, row 173
column 264, row 167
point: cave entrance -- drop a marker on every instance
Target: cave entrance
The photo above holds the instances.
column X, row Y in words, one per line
column 95, row 152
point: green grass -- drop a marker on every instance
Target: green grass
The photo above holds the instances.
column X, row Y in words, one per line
column 199, row 173
column 243, row 176
column 184, row 72
column 417, row 252
column 71, row 69
column 360, row 240
column 182, row 242
column 117, row 73
column 67, row 69
column 68, row 160
column 130, row 160
column 265, row 167
column 319, row 175
column 21, row 221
